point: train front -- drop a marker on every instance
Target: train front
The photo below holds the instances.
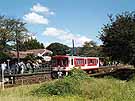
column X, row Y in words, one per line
column 59, row 65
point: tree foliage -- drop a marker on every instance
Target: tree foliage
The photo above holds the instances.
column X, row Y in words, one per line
column 118, row 37
column 90, row 49
column 58, row 49
column 31, row 44
column 4, row 56
column 30, row 57
column 5, row 35
column 11, row 30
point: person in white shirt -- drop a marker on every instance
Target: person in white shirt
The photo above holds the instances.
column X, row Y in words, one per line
column 22, row 65
column 3, row 66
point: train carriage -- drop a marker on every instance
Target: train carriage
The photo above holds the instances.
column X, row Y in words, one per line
column 65, row 63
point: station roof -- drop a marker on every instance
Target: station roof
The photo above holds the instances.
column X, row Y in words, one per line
column 23, row 54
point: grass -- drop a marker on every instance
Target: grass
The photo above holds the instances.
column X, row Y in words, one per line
column 22, row 93
column 86, row 89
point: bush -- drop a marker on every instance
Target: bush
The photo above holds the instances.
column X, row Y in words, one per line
column 78, row 74
column 59, row 87
column 69, row 85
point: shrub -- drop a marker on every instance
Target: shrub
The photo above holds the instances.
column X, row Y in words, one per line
column 59, row 87
column 78, row 74
column 69, row 85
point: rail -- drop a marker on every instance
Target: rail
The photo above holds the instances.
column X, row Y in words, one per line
column 46, row 75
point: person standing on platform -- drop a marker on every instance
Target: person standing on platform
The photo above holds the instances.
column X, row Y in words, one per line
column 3, row 66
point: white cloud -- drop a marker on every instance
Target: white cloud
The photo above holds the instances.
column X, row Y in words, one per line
column 35, row 18
column 65, row 37
column 38, row 14
column 41, row 9
column 31, row 35
column 52, row 13
column 50, row 31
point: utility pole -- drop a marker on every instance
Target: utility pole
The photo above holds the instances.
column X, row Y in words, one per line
column 17, row 48
column 73, row 48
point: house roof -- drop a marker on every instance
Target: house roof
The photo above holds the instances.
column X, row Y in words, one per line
column 23, row 54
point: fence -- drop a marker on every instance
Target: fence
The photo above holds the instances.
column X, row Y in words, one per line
column 39, row 70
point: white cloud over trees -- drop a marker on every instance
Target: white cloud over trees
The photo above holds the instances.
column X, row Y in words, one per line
column 65, row 36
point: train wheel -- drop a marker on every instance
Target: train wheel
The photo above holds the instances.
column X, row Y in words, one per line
column 89, row 71
column 94, row 71
column 54, row 75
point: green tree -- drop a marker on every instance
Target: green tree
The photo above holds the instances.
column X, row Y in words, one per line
column 118, row 37
column 4, row 56
column 5, row 35
column 58, row 49
column 31, row 44
column 11, row 30
column 19, row 33
column 30, row 57
column 90, row 49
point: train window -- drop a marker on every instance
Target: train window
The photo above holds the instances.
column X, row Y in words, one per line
column 54, row 62
column 60, row 62
column 79, row 62
column 92, row 61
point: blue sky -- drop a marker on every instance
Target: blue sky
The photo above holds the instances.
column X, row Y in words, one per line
column 64, row 20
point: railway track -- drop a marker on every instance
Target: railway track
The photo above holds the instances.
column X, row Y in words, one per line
column 25, row 79
column 120, row 72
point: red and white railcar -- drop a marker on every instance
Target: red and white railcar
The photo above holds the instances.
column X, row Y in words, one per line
column 66, row 63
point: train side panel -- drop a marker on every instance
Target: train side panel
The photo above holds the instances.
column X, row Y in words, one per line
column 85, row 63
